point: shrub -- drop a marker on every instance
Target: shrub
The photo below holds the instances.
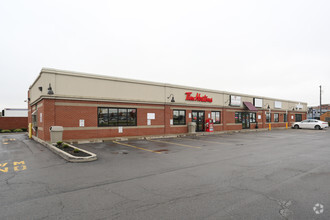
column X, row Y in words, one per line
column 18, row 130
column 24, row 129
column 5, row 131
column 65, row 146
column 59, row 143
column 76, row 150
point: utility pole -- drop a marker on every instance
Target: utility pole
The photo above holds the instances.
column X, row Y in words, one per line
column 320, row 101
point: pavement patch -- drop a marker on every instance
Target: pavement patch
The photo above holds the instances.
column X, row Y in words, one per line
column 167, row 142
column 132, row 146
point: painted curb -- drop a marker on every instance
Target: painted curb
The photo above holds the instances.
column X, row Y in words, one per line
column 65, row 155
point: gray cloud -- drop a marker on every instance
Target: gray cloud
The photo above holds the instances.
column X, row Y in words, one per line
column 270, row 48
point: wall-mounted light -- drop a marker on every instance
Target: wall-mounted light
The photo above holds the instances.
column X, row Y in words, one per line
column 40, row 88
column 172, row 100
column 50, row 90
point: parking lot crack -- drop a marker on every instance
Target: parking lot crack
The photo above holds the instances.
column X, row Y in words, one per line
column 183, row 197
column 153, row 192
column 28, row 147
column 121, row 196
column 8, row 179
column 284, row 210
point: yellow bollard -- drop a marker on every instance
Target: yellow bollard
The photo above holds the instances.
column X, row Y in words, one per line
column 270, row 126
column 30, row 130
column 286, row 125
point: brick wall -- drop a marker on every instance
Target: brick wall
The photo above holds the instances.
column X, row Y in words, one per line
column 325, row 117
column 67, row 113
column 13, row 122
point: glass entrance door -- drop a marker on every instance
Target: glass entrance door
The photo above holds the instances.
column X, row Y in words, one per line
column 199, row 118
column 245, row 120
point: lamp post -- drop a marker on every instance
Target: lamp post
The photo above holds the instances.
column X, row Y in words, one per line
column 292, row 112
column 286, row 124
column 172, row 100
column 320, row 102
column 50, row 90
column 270, row 118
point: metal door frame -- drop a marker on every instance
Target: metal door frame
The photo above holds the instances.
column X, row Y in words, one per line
column 197, row 120
column 247, row 120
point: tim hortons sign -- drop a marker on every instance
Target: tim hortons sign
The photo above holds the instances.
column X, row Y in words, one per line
column 198, row 97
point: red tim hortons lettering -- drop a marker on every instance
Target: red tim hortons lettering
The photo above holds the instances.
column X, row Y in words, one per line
column 198, row 97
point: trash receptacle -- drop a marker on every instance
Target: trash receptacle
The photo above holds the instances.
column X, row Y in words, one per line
column 192, row 127
column 56, row 133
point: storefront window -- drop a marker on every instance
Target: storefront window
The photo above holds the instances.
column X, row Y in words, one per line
column 268, row 118
column 298, row 117
column 122, row 117
column 276, row 118
column 103, row 116
column 131, row 117
column 179, row 117
column 215, row 116
column 238, row 117
column 285, row 117
column 117, row 117
column 252, row 117
column 113, row 117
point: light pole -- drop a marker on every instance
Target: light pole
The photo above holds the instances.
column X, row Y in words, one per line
column 270, row 118
column 320, row 102
column 290, row 109
column 286, row 124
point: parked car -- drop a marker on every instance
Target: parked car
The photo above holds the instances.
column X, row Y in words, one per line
column 310, row 123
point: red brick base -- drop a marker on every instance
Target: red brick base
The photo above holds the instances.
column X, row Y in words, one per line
column 67, row 113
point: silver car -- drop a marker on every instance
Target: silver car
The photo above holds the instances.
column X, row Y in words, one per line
column 311, row 124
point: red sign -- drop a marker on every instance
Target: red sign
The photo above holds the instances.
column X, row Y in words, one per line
column 198, row 97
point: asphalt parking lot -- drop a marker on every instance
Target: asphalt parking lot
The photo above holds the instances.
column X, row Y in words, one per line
column 278, row 174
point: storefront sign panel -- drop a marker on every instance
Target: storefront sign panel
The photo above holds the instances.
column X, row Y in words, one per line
column 198, row 97
column 278, row 104
column 235, row 100
column 257, row 103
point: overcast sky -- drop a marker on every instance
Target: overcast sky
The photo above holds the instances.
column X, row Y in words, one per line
column 279, row 49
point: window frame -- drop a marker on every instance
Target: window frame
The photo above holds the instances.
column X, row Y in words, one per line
column 117, row 124
column 278, row 117
column 269, row 118
column 239, row 117
column 295, row 117
column 285, row 117
column 179, row 122
column 216, row 116
column 253, row 119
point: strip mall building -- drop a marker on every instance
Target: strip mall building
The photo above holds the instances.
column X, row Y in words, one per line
column 94, row 107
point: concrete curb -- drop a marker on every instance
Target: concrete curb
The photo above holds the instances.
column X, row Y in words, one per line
column 65, row 155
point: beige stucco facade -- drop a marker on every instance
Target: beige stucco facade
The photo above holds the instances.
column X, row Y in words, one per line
column 82, row 86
